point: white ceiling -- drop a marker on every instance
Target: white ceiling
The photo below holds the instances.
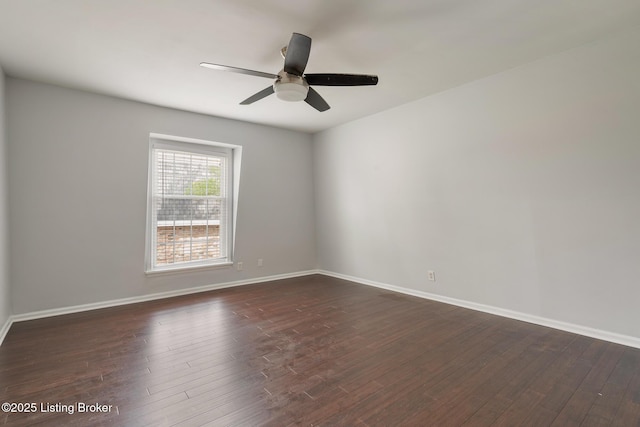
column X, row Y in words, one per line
column 149, row 50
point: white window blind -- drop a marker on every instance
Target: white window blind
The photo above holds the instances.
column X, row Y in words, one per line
column 190, row 205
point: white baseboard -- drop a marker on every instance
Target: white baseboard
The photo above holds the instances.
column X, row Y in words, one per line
column 149, row 297
column 5, row 328
column 537, row 320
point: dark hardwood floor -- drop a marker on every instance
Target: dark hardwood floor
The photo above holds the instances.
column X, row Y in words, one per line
column 311, row 351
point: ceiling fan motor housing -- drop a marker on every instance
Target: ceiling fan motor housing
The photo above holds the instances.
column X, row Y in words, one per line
column 290, row 87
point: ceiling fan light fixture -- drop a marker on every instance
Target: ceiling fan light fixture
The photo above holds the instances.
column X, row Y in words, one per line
column 292, row 92
column 290, row 87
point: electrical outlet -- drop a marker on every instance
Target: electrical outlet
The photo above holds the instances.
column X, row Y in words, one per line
column 239, row 265
column 431, row 275
column 259, row 262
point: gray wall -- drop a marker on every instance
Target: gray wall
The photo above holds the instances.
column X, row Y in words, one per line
column 77, row 192
column 521, row 190
column 5, row 295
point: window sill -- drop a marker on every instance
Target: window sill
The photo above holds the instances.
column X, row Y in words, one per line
column 187, row 268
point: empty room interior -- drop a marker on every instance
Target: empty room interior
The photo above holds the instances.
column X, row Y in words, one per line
column 358, row 213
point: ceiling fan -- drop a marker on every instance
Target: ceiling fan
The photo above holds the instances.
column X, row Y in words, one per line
column 291, row 84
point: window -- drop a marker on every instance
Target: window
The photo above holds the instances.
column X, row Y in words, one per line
column 190, row 204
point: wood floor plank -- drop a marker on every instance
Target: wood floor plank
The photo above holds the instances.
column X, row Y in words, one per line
column 586, row 394
column 313, row 350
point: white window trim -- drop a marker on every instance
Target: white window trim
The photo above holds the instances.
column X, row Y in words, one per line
column 197, row 146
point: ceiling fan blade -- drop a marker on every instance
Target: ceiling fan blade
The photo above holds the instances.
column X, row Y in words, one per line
column 297, row 55
column 258, row 96
column 238, row 70
column 316, row 101
column 341, row 79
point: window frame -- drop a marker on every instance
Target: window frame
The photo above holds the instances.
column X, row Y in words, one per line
column 198, row 147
